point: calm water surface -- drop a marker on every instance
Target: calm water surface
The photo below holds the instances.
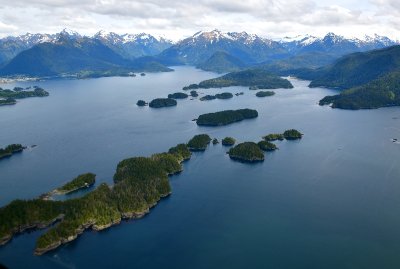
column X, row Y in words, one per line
column 331, row 200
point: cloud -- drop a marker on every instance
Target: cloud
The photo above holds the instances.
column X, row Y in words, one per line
column 177, row 18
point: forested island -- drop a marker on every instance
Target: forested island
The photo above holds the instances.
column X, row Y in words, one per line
column 224, row 95
column 178, row 95
column 226, row 117
column 141, row 103
column 253, row 152
column 292, row 134
column 9, row 150
column 162, row 102
column 80, row 182
column 199, row 142
column 228, row 141
column 381, row 92
column 267, row 146
column 250, row 77
column 265, row 93
column 208, row 97
column 194, row 93
column 19, row 93
column 139, row 183
column 246, row 152
column 8, row 101
column 273, row 137
column 8, row 97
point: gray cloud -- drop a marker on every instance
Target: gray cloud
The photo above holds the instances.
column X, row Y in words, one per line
column 177, row 18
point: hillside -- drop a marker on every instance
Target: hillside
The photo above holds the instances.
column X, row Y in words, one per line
column 68, row 56
column 221, row 62
column 381, row 92
column 358, row 68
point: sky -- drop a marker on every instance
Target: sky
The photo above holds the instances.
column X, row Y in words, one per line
column 176, row 19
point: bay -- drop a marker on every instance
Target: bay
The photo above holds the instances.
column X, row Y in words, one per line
column 331, row 200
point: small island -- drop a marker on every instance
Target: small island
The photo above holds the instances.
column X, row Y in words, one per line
column 228, row 141
column 292, row 134
column 141, row 103
column 80, row 182
column 8, row 101
column 20, row 93
column 199, row 142
column 246, row 152
column 226, row 117
column 142, row 74
column 267, row 146
column 215, row 141
column 194, row 93
column 224, row 95
column 265, row 93
column 178, row 95
column 250, row 77
column 273, row 137
column 10, row 150
column 208, row 97
column 162, row 102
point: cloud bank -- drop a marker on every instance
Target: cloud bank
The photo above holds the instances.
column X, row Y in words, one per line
column 177, row 19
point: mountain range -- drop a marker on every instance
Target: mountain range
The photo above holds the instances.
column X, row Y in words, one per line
column 253, row 49
column 128, row 45
column 110, row 53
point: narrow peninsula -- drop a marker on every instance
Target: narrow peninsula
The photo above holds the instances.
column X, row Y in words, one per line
column 139, row 183
column 80, row 182
column 9, row 150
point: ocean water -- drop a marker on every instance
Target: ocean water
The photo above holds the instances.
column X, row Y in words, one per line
column 331, row 200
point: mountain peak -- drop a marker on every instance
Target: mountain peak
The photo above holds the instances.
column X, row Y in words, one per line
column 101, row 33
column 332, row 37
column 69, row 32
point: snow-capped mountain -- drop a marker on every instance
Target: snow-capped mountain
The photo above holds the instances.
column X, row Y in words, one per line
column 128, row 45
column 335, row 43
column 133, row 45
column 202, row 45
column 294, row 52
column 248, row 48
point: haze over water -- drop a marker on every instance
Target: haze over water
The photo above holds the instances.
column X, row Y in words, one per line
column 331, row 200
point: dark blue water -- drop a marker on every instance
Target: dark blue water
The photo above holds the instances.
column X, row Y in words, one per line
column 331, row 200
